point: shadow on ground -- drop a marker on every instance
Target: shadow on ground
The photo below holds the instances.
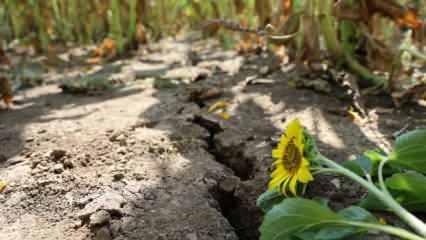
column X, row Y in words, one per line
column 39, row 108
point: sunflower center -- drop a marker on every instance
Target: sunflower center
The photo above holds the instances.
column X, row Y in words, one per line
column 292, row 157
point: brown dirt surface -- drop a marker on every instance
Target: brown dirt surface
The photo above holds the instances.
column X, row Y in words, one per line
column 148, row 161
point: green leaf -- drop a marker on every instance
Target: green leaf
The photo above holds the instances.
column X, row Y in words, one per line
column 410, row 151
column 375, row 156
column 334, row 233
column 298, row 218
column 409, row 189
column 366, row 163
column 361, row 165
column 304, row 236
column 310, row 150
column 370, row 202
column 352, row 213
column 269, row 199
column 295, row 215
column 355, row 213
column 322, row 201
column 303, row 219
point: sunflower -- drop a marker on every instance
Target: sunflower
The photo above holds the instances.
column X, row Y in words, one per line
column 291, row 166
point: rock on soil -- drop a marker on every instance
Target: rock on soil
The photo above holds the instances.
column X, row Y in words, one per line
column 99, row 218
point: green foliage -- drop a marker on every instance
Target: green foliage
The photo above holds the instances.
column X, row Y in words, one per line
column 268, row 199
column 409, row 189
column 361, row 165
column 310, row 149
column 41, row 31
column 410, row 151
column 295, row 215
column 115, row 25
column 298, row 218
column 87, row 21
column 132, row 19
column 367, row 163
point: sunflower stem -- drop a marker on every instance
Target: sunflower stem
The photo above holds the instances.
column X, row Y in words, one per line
column 369, row 179
column 381, row 180
column 325, row 170
column 320, row 170
column 414, row 222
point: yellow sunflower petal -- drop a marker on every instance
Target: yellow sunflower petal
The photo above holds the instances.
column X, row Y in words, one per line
column 218, row 105
column 278, row 162
column 290, row 165
column 3, row 185
column 278, row 175
column 284, row 186
column 305, row 162
column 276, row 182
column 280, row 169
column 295, row 130
column 277, row 153
column 304, row 175
column 283, row 141
column 293, row 184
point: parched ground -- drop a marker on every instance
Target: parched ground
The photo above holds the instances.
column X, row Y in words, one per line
column 148, row 161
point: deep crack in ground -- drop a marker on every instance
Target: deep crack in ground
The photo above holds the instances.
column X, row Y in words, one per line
column 239, row 215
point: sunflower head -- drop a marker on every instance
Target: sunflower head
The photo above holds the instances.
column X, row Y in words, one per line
column 291, row 164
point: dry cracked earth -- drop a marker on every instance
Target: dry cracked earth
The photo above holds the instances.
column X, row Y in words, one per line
column 148, row 160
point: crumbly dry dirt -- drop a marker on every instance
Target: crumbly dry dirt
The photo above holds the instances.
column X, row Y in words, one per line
column 146, row 160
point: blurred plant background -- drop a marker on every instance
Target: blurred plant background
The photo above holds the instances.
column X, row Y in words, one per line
column 381, row 41
column 43, row 23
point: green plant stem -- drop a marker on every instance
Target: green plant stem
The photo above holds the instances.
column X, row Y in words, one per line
column 40, row 24
column 402, row 233
column 415, row 52
column 381, row 180
column 132, row 21
column 328, row 29
column 116, row 29
column 410, row 219
column 317, row 171
column 362, row 71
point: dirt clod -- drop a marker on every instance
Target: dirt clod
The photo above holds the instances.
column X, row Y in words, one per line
column 68, row 163
column 58, row 168
column 103, row 234
column 57, row 154
column 99, row 218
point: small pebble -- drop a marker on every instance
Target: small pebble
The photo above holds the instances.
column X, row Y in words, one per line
column 100, row 218
column 336, row 182
column 68, row 163
column 41, row 131
column 138, row 176
column 58, row 168
column 57, row 154
column 122, row 150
